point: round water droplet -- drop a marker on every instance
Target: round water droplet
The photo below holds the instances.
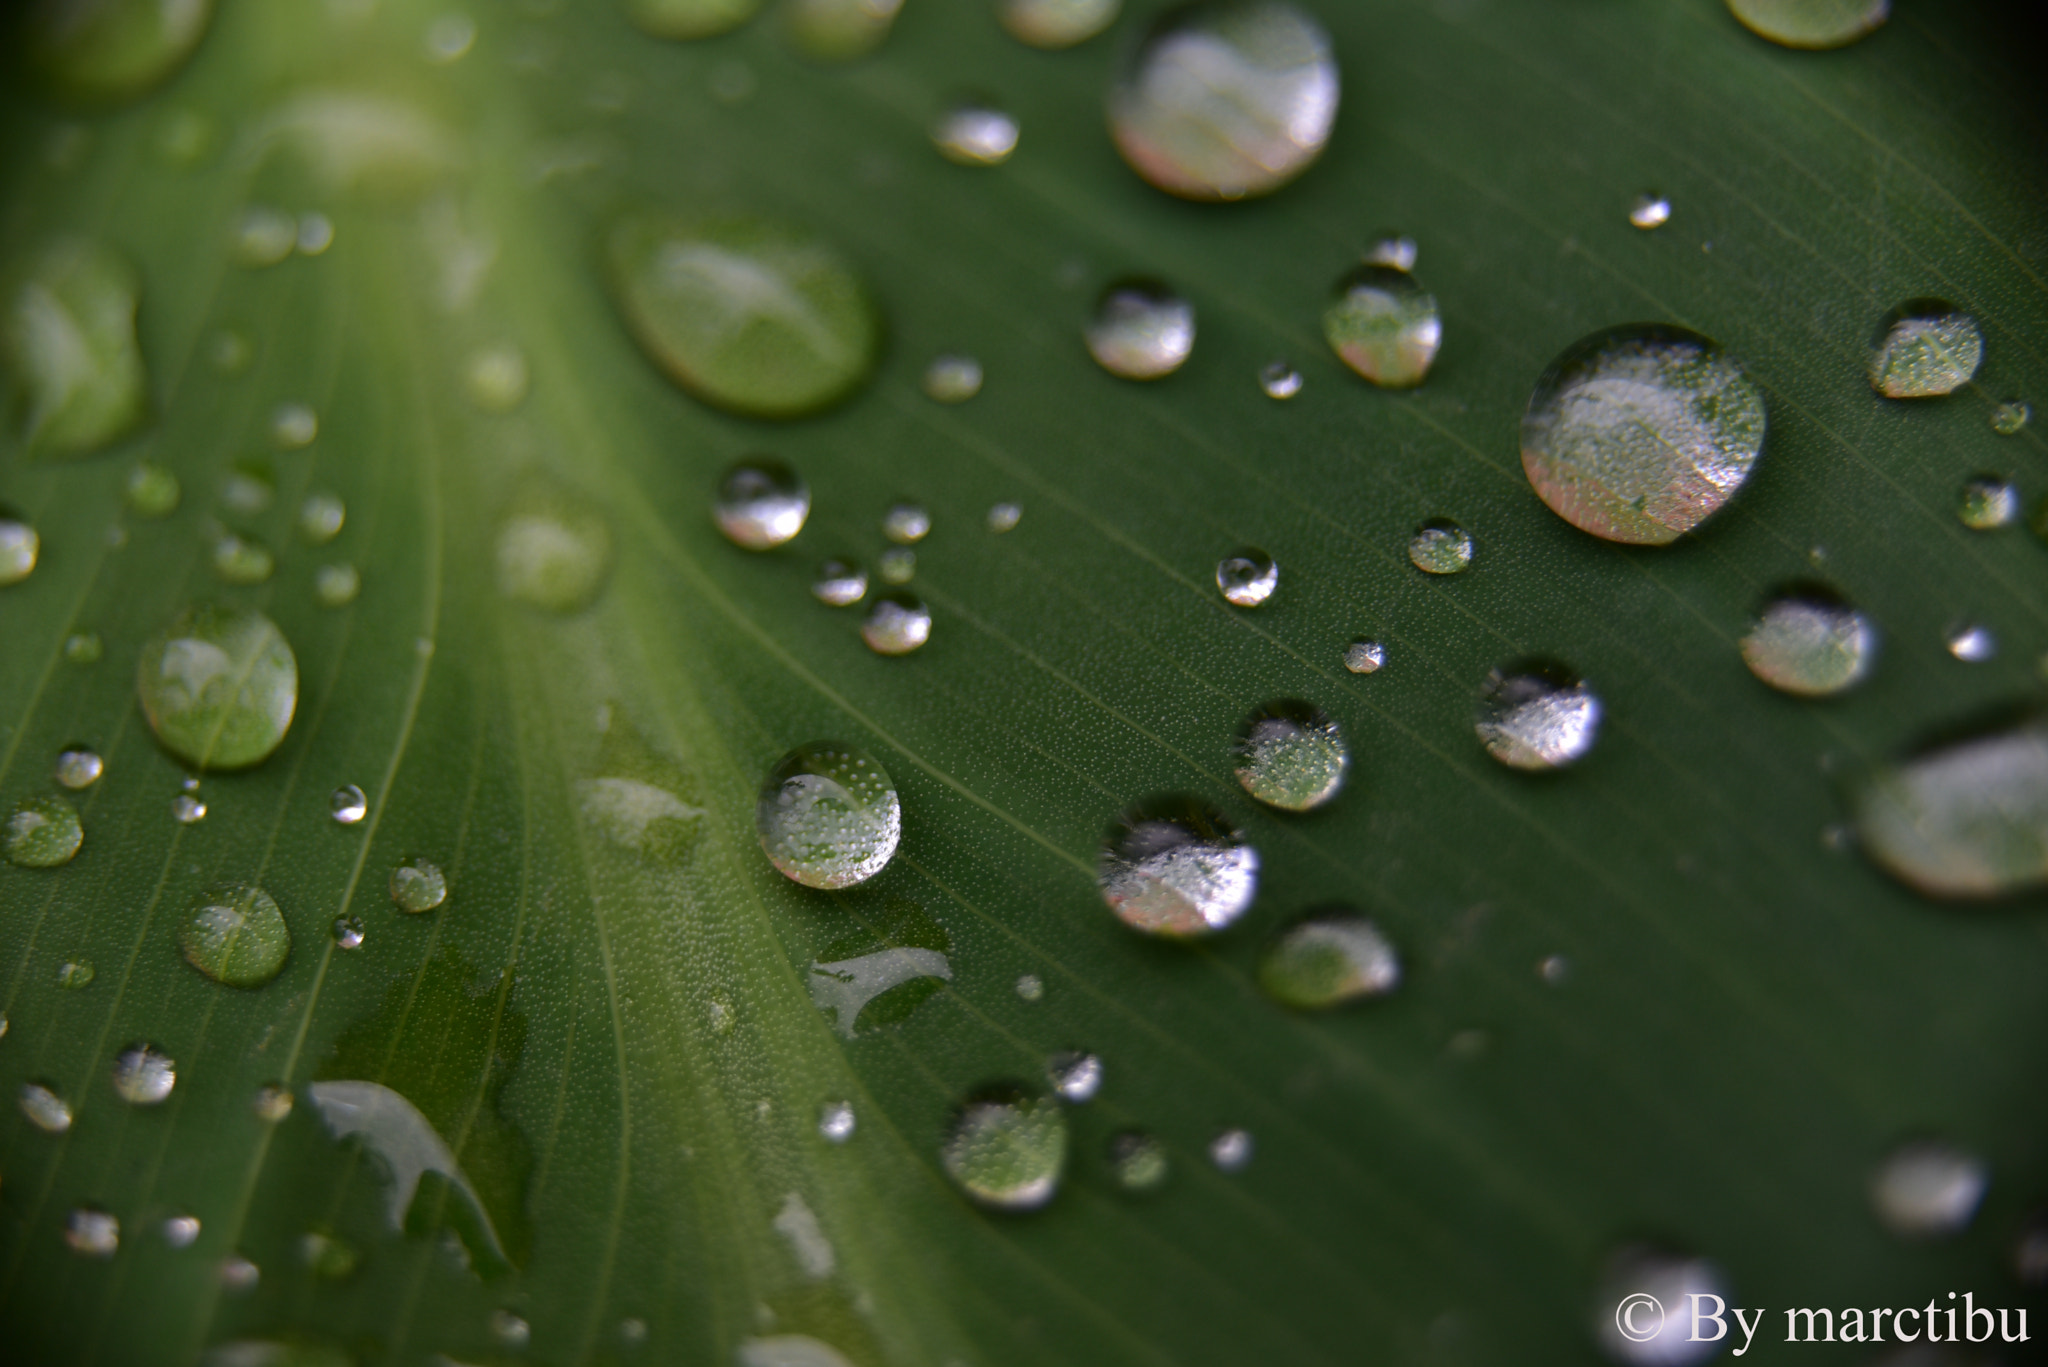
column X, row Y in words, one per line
column 1006, row 1147
column 112, row 49
column 1639, row 1311
column 1440, row 546
column 2009, row 417
column 45, row 1110
column 348, row 932
column 952, row 379
column 1928, row 1189
column 553, row 555
column 1226, row 100
column 897, row 565
column 1030, row 987
column 348, row 805
column 263, row 236
column 229, row 353
column 688, row 19
column 1004, row 516
column 632, row 1332
column 1987, row 502
column 181, row 1231
column 316, row 234
column 1537, row 716
column 293, row 425
column 1364, row 656
column 495, row 377
column 238, row 1275
column 1075, row 1075
column 1248, row 578
column 1174, row 866
column 1639, row 433
column 761, row 503
column 1141, row 330
column 1231, row 1151
column 1966, row 819
column 1055, row 24
column 1138, row 1160
column 42, row 833
column 1554, row 969
column 1810, row 23
column 19, row 547
column 1392, row 249
column 1384, row 325
column 336, row 586
column 95, row 1233
column 1972, row 643
column 75, row 975
column 236, row 935
column 249, row 487
column 327, row 1257
column 144, row 1075
column 1651, row 210
column 839, row 583
column 897, row 624
column 1279, row 380
column 67, row 340
column 975, row 135
column 321, row 517
column 1327, row 960
column 449, row 38
column 242, row 560
column 272, row 1104
column 79, row 767
column 1809, row 643
column 749, row 315
column 219, row 686
column 187, row 809
column 836, row 1122
column 837, row 30
column 152, row 490
column 510, row 1330
column 418, row 886
column 1291, row 755
column 828, row 816
column 906, row 523
column 1924, row 348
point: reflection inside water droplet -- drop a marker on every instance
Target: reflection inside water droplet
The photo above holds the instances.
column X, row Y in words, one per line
column 1175, row 866
column 897, row 624
column 1006, row 1148
column 839, row 583
column 828, row 816
column 1075, row 1075
column 1141, row 330
column 1928, row 1189
column 1291, row 755
column 1537, row 716
column 1247, row 578
column 1331, row 958
column 761, row 503
column 975, row 135
column 1384, row 325
column 1925, row 348
column 1809, row 643
column 348, row 932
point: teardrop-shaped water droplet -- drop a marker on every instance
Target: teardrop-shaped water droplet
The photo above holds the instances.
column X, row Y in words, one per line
column 336, row 586
column 897, row 565
column 348, row 932
column 1291, row 755
column 1248, row 578
column 1384, row 325
column 1279, row 380
column 92, row 1232
column 42, row 833
column 1138, row 1160
column 1055, row 24
column 897, row 624
column 1075, row 1075
column 1987, row 502
column 1327, row 960
column 1141, row 330
column 242, row 560
column 1972, row 643
column 79, row 767
column 144, row 1075
column 1537, row 716
column 1002, row 517
column 1928, row 1189
column 2010, row 417
column 906, row 523
column 45, row 1110
column 952, row 379
column 975, row 135
column 1633, row 1312
column 236, row 935
column 1006, row 1147
column 1810, row 23
column 1175, row 866
column 1440, row 546
column 1809, row 643
column 828, row 816
column 761, row 503
column 688, row 19
column 1364, row 656
column 495, row 377
column 1639, row 433
column 348, row 805
column 553, row 554
column 293, row 425
column 321, row 517
column 1966, row 819
column 839, row 583
column 837, row 30
column 219, row 686
column 1924, row 348
column 1226, row 99
column 19, row 548
column 418, row 885
column 68, row 341
column 753, row 316
column 1651, row 210
column 152, row 491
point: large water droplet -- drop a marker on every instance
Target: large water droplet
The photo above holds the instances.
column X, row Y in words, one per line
column 1928, row 1189
column 1641, row 1309
column 1639, row 433
column 2010, row 417
column 19, row 548
column 219, row 686
column 975, row 135
column 1137, row 1160
column 1924, row 348
column 152, row 490
column 761, row 503
column 236, row 935
column 1141, row 330
column 144, row 1075
column 1291, row 755
column 1226, row 100
column 553, row 554
column 1537, row 716
column 1966, row 819
column 69, row 347
column 1175, row 866
column 1075, row 1075
column 1651, row 210
column 839, row 583
column 837, row 30
column 897, row 624
column 1384, row 325
column 418, row 885
column 1055, row 24
column 686, row 19
column 348, row 805
column 952, row 379
column 1987, row 502
column 1327, row 960
column 753, row 316
column 1809, row 643
column 1364, row 656
column 1248, row 578
column 113, row 49
column 42, row 833
column 828, row 816
column 93, row 1232
column 45, row 1110
column 79, row 768
column 1810, row 23
column 1440, row 546
column 1006, row 1148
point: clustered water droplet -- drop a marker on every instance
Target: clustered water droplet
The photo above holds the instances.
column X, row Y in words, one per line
column 1651, row 210
column 1987, row 502
column 1231, row 1151
column 1966, row 818
column 836, row 1122
column 1440, row 546
column 348, row 932
column 975, row 135
column 144, row 1075
column 19, row 548
column 321, row 517
column 2008, row 418
column 952, row 379
column 43, row 832
column 219, row 686
column 92, row 1232
column 1279, row 380
column 45, row 1110
column 897, row 565
column 906, row 523
column 236, row 935
column 1138, row 1160
column 348, row 805
column 1003, row 517
column 1973, row 643
column 79, row 767
column 1364, row 656
column 839, row 583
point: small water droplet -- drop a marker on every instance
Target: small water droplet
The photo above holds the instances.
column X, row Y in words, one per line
column 1248, row 578
column 229, row 353
column 1809, row 643
column 1224, row 101
column 242, row 560
column 553, row 554
column 837, row 30
column 418, row 886
column 1987, row 502
column 272, row 1104
column 449, row 38
column 1006, row 1147
column 67, row 340
column 495, row 377
column 1928, row 1189
column 1972, row 643
column 1030, row 987
column 1231, row 1151
column 761, row 503
column 180, row 1231
column 897, row 624
column 1651, row 210
column 2009, row 417
column 1141, row 330
column 1924, row 348
column 188, row 810
column 897, row 565
column 1968, row 818
column 1055, row 24
column 1537, row 716
column 836, row 1122
column 219, row 686
column 348, row 805
column 1383, row 324
column 249, row 487
column 293, row 425
column 238, row 1275
column 1364, row 656
column 348, row 932
column 1075, row 1075
column 1004, row 516
column 1667, row 1280
column 952, row 379
column 152, row 491
column 975, row 135
column 1554, row 969
column 336, row 586
column 328, row 1257
column 1391, row 249
column 235, row 935
column 321, row 517
column 510, row 1330
column 1804, row 24
column 1279, row 380
column 1138, row 1160
column 839, row 583
column 19, row 548
column 1327, row 960
column 828, row 816
column 144, row 1075
column 95, row 1233
column 906, row 523
column 43, row 832
column 84, row 648
column 79, row 767
column 45, row 1110
column 76, row 974
column 1291, row 755
column 1175, row 866
column 1440, row 546
column 263, row 236
column 632, row 1332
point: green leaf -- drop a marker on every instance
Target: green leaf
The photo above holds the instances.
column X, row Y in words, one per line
column 1653, row 996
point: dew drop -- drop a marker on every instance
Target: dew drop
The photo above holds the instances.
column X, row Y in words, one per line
column 632, row 1332
column 67, row 338
column 839, row 583
column 45, row 1110
column 262, row 236
column 510, row 1330
column 1291, row 755
column 1248, row 578
column 1030, row 987
column 242, row 560
column 1383, row 324
column 1668, row 1279
column 1141, row 330
column 1440, row 546
column 1002, row 517
column 19, row 548
column 1327, row 960
column 79, row 768
column 1972, row 643
column 348, row 805
column 1055, row 24
column 238, row 1275
column 229, row 353
column 42, row 833
column 1075, row 1075
column 1807, row 24
column 1924, row 348
column 219, row 686
column 418, row 886
column 1364, row 656
column 152, row 491
column 236, row 935
column 2009, row 417
column 1226, row 100
column 1006, row 1147
column 327, row 1257
column 180, row 1231
column 336, row 586
column 553, row 555
column 495, row 378
column 188, row 810
column 906, row 523
column 293, row 425
column 1928, row 1189
column 761, row 503
column 1554, row 969
column 690, row 19
column 1537, row 716
column 92, row 1232
column 952, row 379
column 1640, row 433
column 1987, row 502
column 272, row 1104
column 1138, row 1160
column 1392, row 249
column 316, row 234
column 115, row 49
column 321, row 517
column 1231, row 1151
column 828, row 816
column 1809, row 643
column 836, row 1122
column 143, row 1075
column 1968, row 818
column 975, row 135
column 1651, row 210
column 449, row 38
column 897, row 624
column 348, row 932
column 76, row 975
column 837, row 30
column 1175, row 866
column 1279, row 380
column 897, row 565
column 84, row 648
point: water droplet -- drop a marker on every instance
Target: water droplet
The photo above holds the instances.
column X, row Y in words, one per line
column 837, row 30
column 1004, row 516
column 75, row 975
column 1651, row 210
column 45, row 1110
column 188, row 809
column 897, row 624
column 449, row 38
column 263, row 236
column 1972, row 643
column 321, row 516
column 1327, row 960
column 1030, row 987
column 1364, row 656
column 508, row 1329
column 67, row 337
column 1928, row 1189
column 152, row 490
column 239, row 1276
column 1537, row 716
column 1809, row 643
column 1440, row 546
column 236, row 935
column 1805, row 24
column 348, row 805
column 1075, row 1075
column 632, row 1332
column 79, row 768
column 19, row 547
column 242, row 560
column 495, row 378
column 897, row 565
column 1174, row 866
column 1291, row 755
column 181, row 1231
column 1280, row 380
column 1384, row 325
column 1396, row 250
column 348, row 932
column 1231, row 1151
column 43, row 833
column 753, row 316
column 336, row 586
column 1223, row 101
column 84, row 648
column 1138, row 1160
column 1968, row 818
column 1055, row 24
column 836, row 1122
column 219, row 686
column 327, row 1257
column 2009, row 417
column 272, row 1104
column 975, row 135
column 828, row 816
column 1659, row 1283
column 229, row 353
column 316, row 234
column 418, row 886
column 952, row 379
column 761, row 503
column 1006, row 1147
column 1554, row 969
column 689, row 19
column 111, row 52
column 839, row 583
column 1248, row 578
column 1987, row 502
column 906, row 523
column 249, row 487
column 293, row 425
column 95, row 1233
column 143, row 1075
column 1141, row 330
column 1924, row 348
column 553, row 554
